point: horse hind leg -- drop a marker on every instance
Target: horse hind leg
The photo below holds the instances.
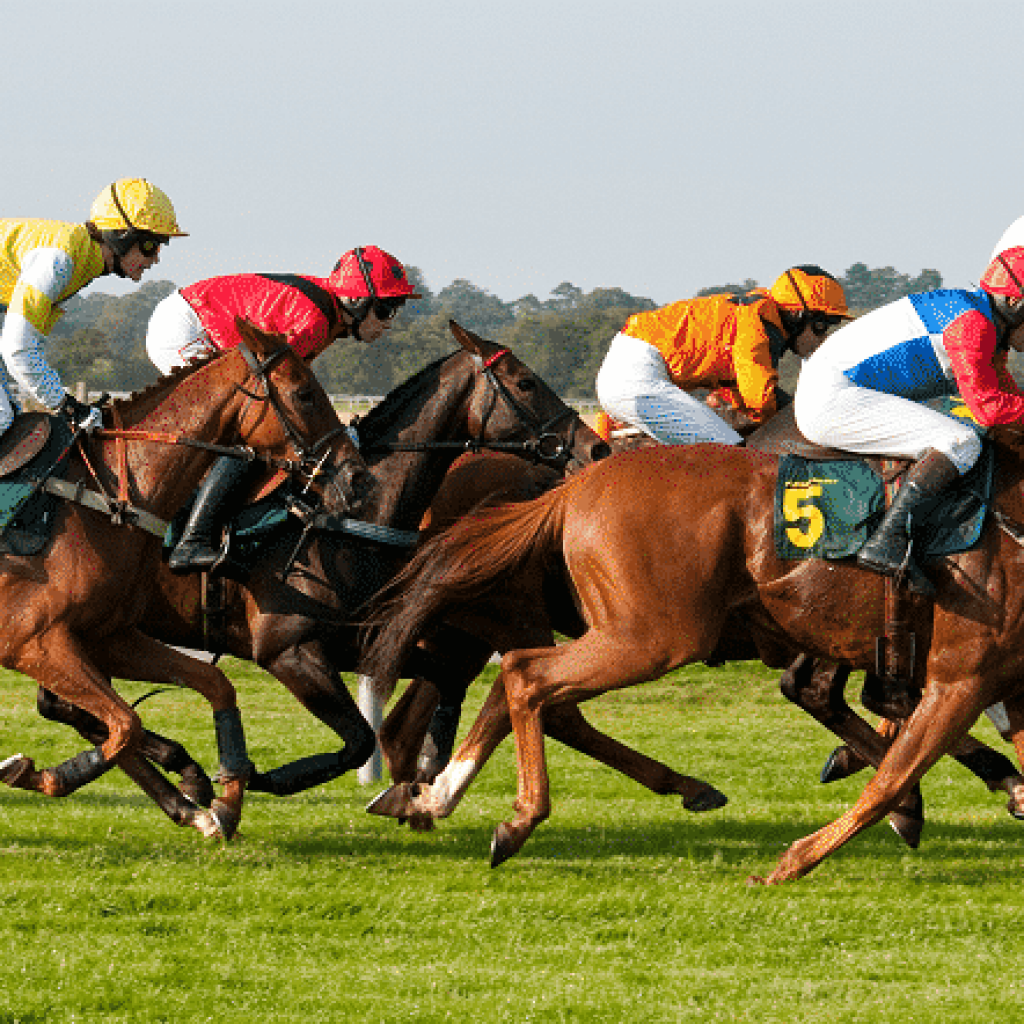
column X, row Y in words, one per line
column 566, row 723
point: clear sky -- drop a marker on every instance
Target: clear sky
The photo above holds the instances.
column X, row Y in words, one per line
column 655, row 145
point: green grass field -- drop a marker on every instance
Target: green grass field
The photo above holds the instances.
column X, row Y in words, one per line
column 623, row 907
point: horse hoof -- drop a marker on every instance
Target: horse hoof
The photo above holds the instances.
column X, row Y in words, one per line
column 420, row 822
column 207, row 823
column 506, row 842
column 15, row 770
column 227, row 818
column 709, row 799
column 393, row 802
column 909, row 829
column 839, row 765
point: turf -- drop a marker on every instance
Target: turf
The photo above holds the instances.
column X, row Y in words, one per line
column 622, row 907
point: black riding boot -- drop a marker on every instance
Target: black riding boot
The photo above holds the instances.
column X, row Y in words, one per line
column 887, row 551
column 199, row 547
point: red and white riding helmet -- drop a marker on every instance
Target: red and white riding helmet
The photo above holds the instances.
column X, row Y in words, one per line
column 368, row 272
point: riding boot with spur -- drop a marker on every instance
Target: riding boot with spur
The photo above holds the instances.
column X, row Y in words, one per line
column 889, row 550
column 199, row 549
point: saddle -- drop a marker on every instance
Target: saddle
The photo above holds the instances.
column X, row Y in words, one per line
column 32, row 450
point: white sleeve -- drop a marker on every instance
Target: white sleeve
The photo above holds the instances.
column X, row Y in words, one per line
column 47, row 270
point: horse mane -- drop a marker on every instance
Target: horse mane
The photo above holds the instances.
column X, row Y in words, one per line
column 166, row 380
column 376, row 423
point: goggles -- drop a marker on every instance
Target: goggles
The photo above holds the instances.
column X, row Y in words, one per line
column 386, row 309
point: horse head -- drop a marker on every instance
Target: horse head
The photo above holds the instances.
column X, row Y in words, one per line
column 289, row 413
column 512, row 404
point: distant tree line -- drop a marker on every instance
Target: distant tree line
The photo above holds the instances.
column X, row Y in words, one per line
column 101, row 338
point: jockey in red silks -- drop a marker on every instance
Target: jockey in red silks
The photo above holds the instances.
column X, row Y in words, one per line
column 862, row 391
column 45, row 262
column 358, row 300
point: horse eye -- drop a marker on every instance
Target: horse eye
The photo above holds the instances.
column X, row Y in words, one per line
column 307, row 396
column 526, row 384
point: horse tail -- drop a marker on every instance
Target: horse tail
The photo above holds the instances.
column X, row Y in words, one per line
column 455, row 568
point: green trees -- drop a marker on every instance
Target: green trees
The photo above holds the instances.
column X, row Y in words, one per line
column 101, row 339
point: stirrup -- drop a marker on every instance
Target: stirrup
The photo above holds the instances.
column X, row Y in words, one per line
column 197, row 556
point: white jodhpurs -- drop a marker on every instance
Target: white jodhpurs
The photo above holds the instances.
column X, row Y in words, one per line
column 634, row 386
column 833, row 411
column 175, row 335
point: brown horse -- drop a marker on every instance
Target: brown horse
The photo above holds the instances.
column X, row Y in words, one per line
column 74, row 610
column 665, row 548
column 418, row 735
column 301, row 623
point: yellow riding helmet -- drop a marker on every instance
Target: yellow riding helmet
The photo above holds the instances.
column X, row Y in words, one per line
column 810, row 289
column 133, row 204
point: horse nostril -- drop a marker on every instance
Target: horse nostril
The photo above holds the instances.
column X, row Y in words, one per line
column 601, row 450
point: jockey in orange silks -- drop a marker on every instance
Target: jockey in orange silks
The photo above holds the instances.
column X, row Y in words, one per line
column 731, row 344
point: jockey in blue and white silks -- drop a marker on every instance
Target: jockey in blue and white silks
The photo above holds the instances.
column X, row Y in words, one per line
column 861, row 391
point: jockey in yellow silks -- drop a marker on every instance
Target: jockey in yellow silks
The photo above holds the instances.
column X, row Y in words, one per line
column 45, row 262
column 729, row 343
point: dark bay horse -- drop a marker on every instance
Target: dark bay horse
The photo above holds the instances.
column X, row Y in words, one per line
column 295, row 614
column 664, row 548
column 74, row 611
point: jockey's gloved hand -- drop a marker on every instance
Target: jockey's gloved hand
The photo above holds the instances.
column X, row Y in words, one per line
column 84, row 417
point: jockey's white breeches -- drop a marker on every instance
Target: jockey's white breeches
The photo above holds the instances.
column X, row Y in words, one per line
column 175, row 334
column 831, row 410
column 634, row 386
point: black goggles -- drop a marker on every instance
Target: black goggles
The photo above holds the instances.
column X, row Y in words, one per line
column 386, row 309
column 149, row 243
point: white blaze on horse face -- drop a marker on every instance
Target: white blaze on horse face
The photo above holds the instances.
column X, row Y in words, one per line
column 448, row 788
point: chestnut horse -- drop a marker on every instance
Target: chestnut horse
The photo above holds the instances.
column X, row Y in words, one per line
column 300, row 623
column 665, row 548
column 74, row 610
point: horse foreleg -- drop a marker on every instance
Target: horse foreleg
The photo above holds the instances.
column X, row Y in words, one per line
column 315, row 683
column 818, row 687
column 133, row 655
column 943, row 716
column 566, row 723
column 168, row 754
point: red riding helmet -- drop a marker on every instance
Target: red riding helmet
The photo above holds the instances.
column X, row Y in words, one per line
column 370, row 273
column 1005, row 274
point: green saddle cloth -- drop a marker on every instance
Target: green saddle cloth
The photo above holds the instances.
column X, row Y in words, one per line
column 828, row 509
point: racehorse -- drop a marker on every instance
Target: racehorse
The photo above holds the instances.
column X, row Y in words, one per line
column 418, row 735
column 295, row 612
column 665, row 548
column 74, row 610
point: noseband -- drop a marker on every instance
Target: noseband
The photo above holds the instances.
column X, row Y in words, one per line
column 312, row 458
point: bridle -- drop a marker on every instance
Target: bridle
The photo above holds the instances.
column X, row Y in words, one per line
column 312, row 458
column 544, row 446
column 310, row 463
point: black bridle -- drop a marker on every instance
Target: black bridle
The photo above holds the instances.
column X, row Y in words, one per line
column 544, row 445
column 312, row 458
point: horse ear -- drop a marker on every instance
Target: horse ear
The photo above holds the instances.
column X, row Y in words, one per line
column 258, row 342
column 472, row 342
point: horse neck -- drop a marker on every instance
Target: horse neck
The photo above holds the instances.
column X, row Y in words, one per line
column 408, row 481
column 202, row 405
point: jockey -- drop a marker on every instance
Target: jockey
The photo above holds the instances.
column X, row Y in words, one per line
column 358, row 300
column 730, row 343
column 44, row 262
column 861, row 391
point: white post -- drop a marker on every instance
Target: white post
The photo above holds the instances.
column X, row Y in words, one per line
column 372, row 711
